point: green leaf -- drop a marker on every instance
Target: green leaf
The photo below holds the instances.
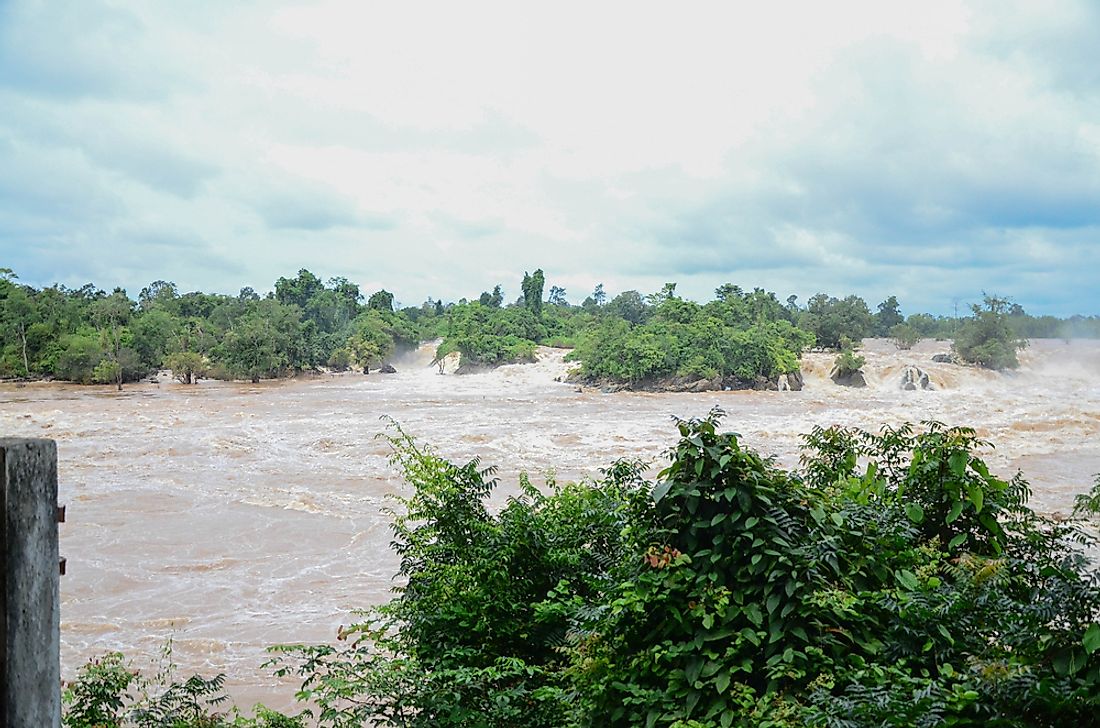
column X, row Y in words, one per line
column 915, row 512
column 754, row 614
column 958, row 539
column 750, row 522
column 907, row 579
column 956, row 511
column 661, row 490
column 722, row 682
column 1092, row 638
column 957, row 462
column 976, row 496
column 1068, row 662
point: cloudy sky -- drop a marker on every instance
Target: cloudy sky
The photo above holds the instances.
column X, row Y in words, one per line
column 929, row 150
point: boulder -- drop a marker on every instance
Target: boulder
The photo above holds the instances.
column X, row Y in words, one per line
column 705, row 385
column 914, row 378
column 944, row 358
column 848, row 379
column 793, row 380
column 388, row 369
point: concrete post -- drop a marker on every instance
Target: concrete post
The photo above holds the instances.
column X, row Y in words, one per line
column 30, row 645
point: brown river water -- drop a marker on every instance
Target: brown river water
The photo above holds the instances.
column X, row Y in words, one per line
column 232, row 516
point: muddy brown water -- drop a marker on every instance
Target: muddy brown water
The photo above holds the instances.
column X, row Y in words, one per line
column 231, row 516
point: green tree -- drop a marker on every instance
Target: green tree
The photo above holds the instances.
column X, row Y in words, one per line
column 381, row 301
column 830, row 319
column 252, row 350
column 299, row 290
column 987, row 338
column 532, row 291
column 159, row 294
column 904, row 336
column 111, row 314
column 888, row 316
column 186, row 366
column 369, row 343
column 18, row 313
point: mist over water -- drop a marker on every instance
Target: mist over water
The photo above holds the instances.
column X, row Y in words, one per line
column 234, row 516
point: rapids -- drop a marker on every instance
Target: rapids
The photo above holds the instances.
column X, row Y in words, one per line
column 233, row 516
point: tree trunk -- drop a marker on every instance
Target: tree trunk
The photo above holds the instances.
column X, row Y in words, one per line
column 23, row 336
column 118, row 357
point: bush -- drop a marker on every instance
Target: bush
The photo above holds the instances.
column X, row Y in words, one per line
column 987, row 339
column 905, row 337
column 848, row 363
column 107, row 693
column 892, row 581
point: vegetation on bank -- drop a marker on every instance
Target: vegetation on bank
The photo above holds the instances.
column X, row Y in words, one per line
column 892, row 580
column 87, row 335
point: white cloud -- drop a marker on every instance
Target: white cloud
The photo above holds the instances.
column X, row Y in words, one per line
column 436, row 148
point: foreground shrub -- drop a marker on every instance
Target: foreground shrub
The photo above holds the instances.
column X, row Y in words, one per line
column 893, row 580
column 109, row 693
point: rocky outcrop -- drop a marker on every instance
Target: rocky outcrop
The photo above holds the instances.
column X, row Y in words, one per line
column 848, row 378
column 945, row 359
column 914, row 378
column 784, row 382
column 388, row 369
column 791, row 382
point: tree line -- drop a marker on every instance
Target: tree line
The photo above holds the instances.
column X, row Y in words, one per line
column 88, row 335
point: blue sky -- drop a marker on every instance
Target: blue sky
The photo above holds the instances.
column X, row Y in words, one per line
column 926, row 150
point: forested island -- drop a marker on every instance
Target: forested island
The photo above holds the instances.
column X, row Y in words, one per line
column 740, row 339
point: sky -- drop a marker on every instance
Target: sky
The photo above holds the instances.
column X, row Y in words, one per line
column 930, row 150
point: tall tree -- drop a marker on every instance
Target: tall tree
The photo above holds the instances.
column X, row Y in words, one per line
column 888, row 316
column 532, row 291
column 18, row 311
column 298, row 290
column 381, row 301
column 111, row 314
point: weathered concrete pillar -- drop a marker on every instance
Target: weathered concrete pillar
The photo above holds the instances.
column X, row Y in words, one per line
column 30, row 663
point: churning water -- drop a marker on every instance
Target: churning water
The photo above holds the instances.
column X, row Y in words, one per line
column 235, row 516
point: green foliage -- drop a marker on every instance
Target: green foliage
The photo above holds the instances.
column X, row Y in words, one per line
column 254, row 350
column 381, row 301
column 887, row 317
column 475, row 635
column 107, row 693
column 848, row 362
column 987, row 339
column 492, row 336
column 830, row 320
column 186, row 366
column 97, row 697
column 744, row 337
column 80, row 354
column 532, row 291
column 904, row 336
column 893, row 581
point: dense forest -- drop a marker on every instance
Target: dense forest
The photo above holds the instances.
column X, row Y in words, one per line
column 744, row 338
column 892, row 580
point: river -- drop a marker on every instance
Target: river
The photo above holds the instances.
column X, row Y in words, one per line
column 232, row 516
